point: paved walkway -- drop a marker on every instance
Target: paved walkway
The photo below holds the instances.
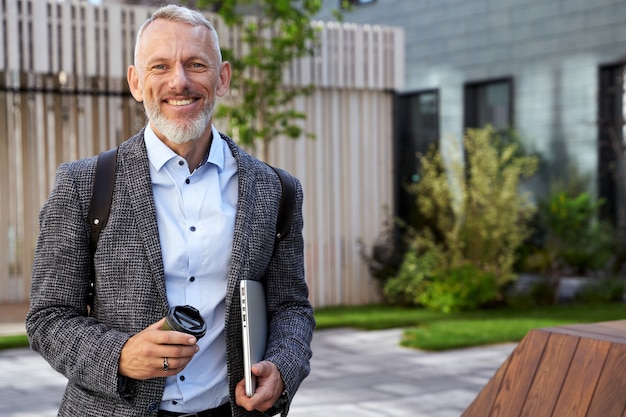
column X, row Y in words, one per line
column 354, row 374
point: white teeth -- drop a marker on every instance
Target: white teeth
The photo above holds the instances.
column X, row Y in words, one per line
column 179, row 102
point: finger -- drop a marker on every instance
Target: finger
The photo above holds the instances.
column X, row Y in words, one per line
column 241, row 398
column 172, row 337
column 174, row 366
column 182, row 352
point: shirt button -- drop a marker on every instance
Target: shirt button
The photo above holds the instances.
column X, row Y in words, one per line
column 192, row 279
column 181, row 163
column 187, row 181
column 192, row 228
column 182, row 377
column 174, row 402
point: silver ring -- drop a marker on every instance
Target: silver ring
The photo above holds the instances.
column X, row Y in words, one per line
column 166, row 366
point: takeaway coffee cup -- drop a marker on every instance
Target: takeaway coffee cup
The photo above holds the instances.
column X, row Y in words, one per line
column 186, row 319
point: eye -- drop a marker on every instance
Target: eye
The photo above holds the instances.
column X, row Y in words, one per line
column 197, row 65
column 159, row 67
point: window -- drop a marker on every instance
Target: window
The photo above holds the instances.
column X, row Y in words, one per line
column 417, row 127
column 489, row 102
column 611, row 146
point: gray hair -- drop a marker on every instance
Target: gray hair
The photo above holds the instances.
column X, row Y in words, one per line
column 174, row 13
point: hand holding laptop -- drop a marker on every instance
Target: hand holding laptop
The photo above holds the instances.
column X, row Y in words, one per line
column 269, row 388
column 262, row 385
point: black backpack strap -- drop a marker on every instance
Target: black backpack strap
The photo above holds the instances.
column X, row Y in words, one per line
column 99, row 207
column 287, row 204
column 101, row 195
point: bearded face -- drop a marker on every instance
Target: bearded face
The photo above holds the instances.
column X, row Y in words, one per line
column 178, row 74
column 183, row 129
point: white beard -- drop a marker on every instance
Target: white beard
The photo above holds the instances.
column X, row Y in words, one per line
column 181, row 131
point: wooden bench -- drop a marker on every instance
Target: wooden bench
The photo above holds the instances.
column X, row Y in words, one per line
column 567, row 371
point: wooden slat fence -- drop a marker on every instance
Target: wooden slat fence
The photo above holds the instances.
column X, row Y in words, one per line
column 63, row 96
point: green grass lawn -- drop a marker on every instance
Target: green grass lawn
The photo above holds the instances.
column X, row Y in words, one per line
column 434, row 331
column 13, row 341
column 428, row 330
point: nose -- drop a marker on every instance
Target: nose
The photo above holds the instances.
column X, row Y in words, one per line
column 179, row 79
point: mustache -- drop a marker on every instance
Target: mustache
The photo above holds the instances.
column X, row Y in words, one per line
column 185, row 93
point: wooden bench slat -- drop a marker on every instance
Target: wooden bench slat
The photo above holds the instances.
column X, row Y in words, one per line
column 550, row 375
column 583, row 374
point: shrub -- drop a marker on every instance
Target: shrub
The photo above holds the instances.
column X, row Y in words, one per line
column 460, row 288
column 576, row 241
column 472, row 210
column 471, row 221
column 407, row 286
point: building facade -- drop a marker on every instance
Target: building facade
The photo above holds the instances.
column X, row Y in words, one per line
column 550, row 69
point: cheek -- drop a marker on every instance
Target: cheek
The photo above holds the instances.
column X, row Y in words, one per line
column 150, row 93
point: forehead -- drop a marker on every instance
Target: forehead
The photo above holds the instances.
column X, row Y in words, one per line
column 169, row 37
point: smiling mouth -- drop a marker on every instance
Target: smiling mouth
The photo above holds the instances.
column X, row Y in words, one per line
column 183, row 102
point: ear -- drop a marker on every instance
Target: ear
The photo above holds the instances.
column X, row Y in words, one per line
column 133, row 83
column 224, row 79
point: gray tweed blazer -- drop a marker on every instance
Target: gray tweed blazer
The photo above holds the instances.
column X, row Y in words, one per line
column 130, row 288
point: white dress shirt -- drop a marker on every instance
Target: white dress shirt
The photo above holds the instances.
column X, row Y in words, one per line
column 196, row 221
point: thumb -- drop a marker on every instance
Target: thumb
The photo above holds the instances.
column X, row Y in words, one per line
column 261, row 369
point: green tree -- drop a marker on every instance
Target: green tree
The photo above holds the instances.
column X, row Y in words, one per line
column 273, row 33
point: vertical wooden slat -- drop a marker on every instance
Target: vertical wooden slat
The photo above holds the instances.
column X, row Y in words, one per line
column 399, row 58
column 523, row 364
column 52, row 144
column 116, row 68
column 337, row 138
column 550, row 376
column 609, row 398
column 13, row 37
column 3, row 29
column 81, row 55
column 6, row 245
column 91, row 52
column 29, row 182
column 41, row 147
column 41, row 53
column 19, row 113
column 586, row 366
column 67, row 44
column 359, row 57
column 54, row 36
column 13, row 197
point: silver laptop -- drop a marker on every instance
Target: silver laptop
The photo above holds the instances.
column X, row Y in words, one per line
column 254, row 328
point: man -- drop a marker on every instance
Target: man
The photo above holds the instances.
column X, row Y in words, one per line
column 192, row 214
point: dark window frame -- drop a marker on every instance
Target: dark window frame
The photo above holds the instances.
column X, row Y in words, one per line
column 408, row 142
column 471, row 91
column 611, row 104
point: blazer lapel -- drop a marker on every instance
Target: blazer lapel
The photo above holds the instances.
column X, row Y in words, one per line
column 240, row 260
column 136, row 175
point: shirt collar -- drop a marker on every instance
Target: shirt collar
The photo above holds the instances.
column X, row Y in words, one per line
column 159, row 153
